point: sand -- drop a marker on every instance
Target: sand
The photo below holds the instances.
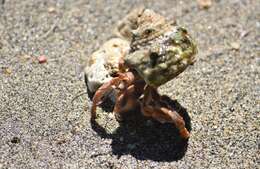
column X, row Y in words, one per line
column 44, row 125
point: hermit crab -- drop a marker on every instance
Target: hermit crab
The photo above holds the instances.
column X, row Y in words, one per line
column 148, row 52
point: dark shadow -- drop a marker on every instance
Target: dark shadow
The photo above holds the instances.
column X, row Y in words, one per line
column 146, row 138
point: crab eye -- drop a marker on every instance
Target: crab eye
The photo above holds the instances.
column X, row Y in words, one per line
column 148, row 31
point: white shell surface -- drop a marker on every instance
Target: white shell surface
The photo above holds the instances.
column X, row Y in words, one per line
column 104, row 62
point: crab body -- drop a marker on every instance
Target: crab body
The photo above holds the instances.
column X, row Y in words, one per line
column 158, row 51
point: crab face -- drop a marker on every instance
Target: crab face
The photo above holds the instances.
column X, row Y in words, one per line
column 164, row 57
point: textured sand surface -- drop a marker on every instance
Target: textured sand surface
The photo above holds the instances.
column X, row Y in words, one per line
column 41, row 127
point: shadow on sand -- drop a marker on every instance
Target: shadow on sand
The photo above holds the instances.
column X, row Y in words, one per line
column 146, row 138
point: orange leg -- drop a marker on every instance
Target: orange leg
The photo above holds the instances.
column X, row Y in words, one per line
column 128, row 98
column 126, row 101
column 178, row 121
column 153, row 106
column 100, row 93
column 121, row 82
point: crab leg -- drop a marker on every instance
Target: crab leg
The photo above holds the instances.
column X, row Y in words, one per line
column 122, row 81
column 178, row 121
column 100, row 93
column 125, row 101
column 128, row 97
column 155, row 107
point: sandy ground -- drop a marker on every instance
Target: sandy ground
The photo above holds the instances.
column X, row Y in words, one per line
column 41, row 127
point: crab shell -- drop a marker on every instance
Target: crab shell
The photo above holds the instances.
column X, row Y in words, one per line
column 104, row 63
column 164, row 58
